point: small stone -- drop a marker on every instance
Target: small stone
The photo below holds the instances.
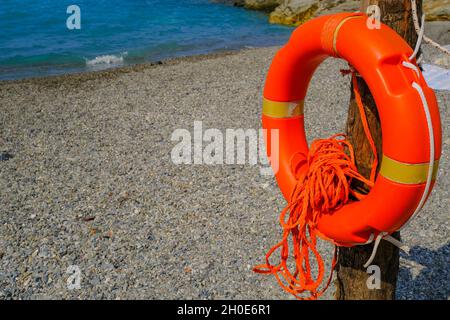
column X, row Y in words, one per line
column 5, row 156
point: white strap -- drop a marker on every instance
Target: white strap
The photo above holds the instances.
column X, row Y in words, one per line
column 375, row 248
column 397, row 243
column 412, row 66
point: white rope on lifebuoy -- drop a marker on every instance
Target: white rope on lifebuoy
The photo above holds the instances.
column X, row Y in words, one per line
column 385, row 235
column 426, row 109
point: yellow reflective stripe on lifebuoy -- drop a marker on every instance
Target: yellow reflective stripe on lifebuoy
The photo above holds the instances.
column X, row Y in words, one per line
column 277, row 109
column 406, row 173
column 336, row 31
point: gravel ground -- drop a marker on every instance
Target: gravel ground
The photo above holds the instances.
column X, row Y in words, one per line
column 87, row 180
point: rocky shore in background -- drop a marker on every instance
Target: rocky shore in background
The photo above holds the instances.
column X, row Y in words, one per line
column 295, row 12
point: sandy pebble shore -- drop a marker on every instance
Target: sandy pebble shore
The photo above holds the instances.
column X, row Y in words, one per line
column 87, row 180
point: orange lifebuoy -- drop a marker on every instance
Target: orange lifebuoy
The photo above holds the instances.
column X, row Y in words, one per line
column 411, row 133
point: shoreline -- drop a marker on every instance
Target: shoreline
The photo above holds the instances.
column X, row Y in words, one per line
column 437, row 30
column 115, row 71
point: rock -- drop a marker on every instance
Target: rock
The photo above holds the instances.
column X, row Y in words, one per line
column 439, row 31
column 340, row 6
column 236, row 3
column 5, row 156
column 295, row 12
column 437, row 10
column 264, row 5
column 442, row 61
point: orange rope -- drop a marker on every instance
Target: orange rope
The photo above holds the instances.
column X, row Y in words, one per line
column 366, row 127
column 320, row 189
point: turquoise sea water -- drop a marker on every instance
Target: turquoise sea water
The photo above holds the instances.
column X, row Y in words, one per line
column 35, row 41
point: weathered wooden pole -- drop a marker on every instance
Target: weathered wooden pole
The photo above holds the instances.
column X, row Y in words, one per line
column 351, row 282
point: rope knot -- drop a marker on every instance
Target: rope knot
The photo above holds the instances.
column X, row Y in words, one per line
column 330, row 172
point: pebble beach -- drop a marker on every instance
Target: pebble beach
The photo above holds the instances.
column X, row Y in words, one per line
column 87, row 180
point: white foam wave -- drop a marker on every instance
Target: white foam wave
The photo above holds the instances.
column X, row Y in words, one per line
column 106, row 60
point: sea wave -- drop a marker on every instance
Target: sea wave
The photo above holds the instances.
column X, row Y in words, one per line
column 106, row 60
column 196, row 27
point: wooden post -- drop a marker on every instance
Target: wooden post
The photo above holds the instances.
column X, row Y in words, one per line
column 351, row 282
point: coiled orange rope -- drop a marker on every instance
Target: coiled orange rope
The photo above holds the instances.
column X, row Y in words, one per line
column 322, row 187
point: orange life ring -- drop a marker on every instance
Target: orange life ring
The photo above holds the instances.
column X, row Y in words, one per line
column 410, row 158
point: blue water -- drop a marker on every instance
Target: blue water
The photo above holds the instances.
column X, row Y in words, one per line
column 35, row 41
